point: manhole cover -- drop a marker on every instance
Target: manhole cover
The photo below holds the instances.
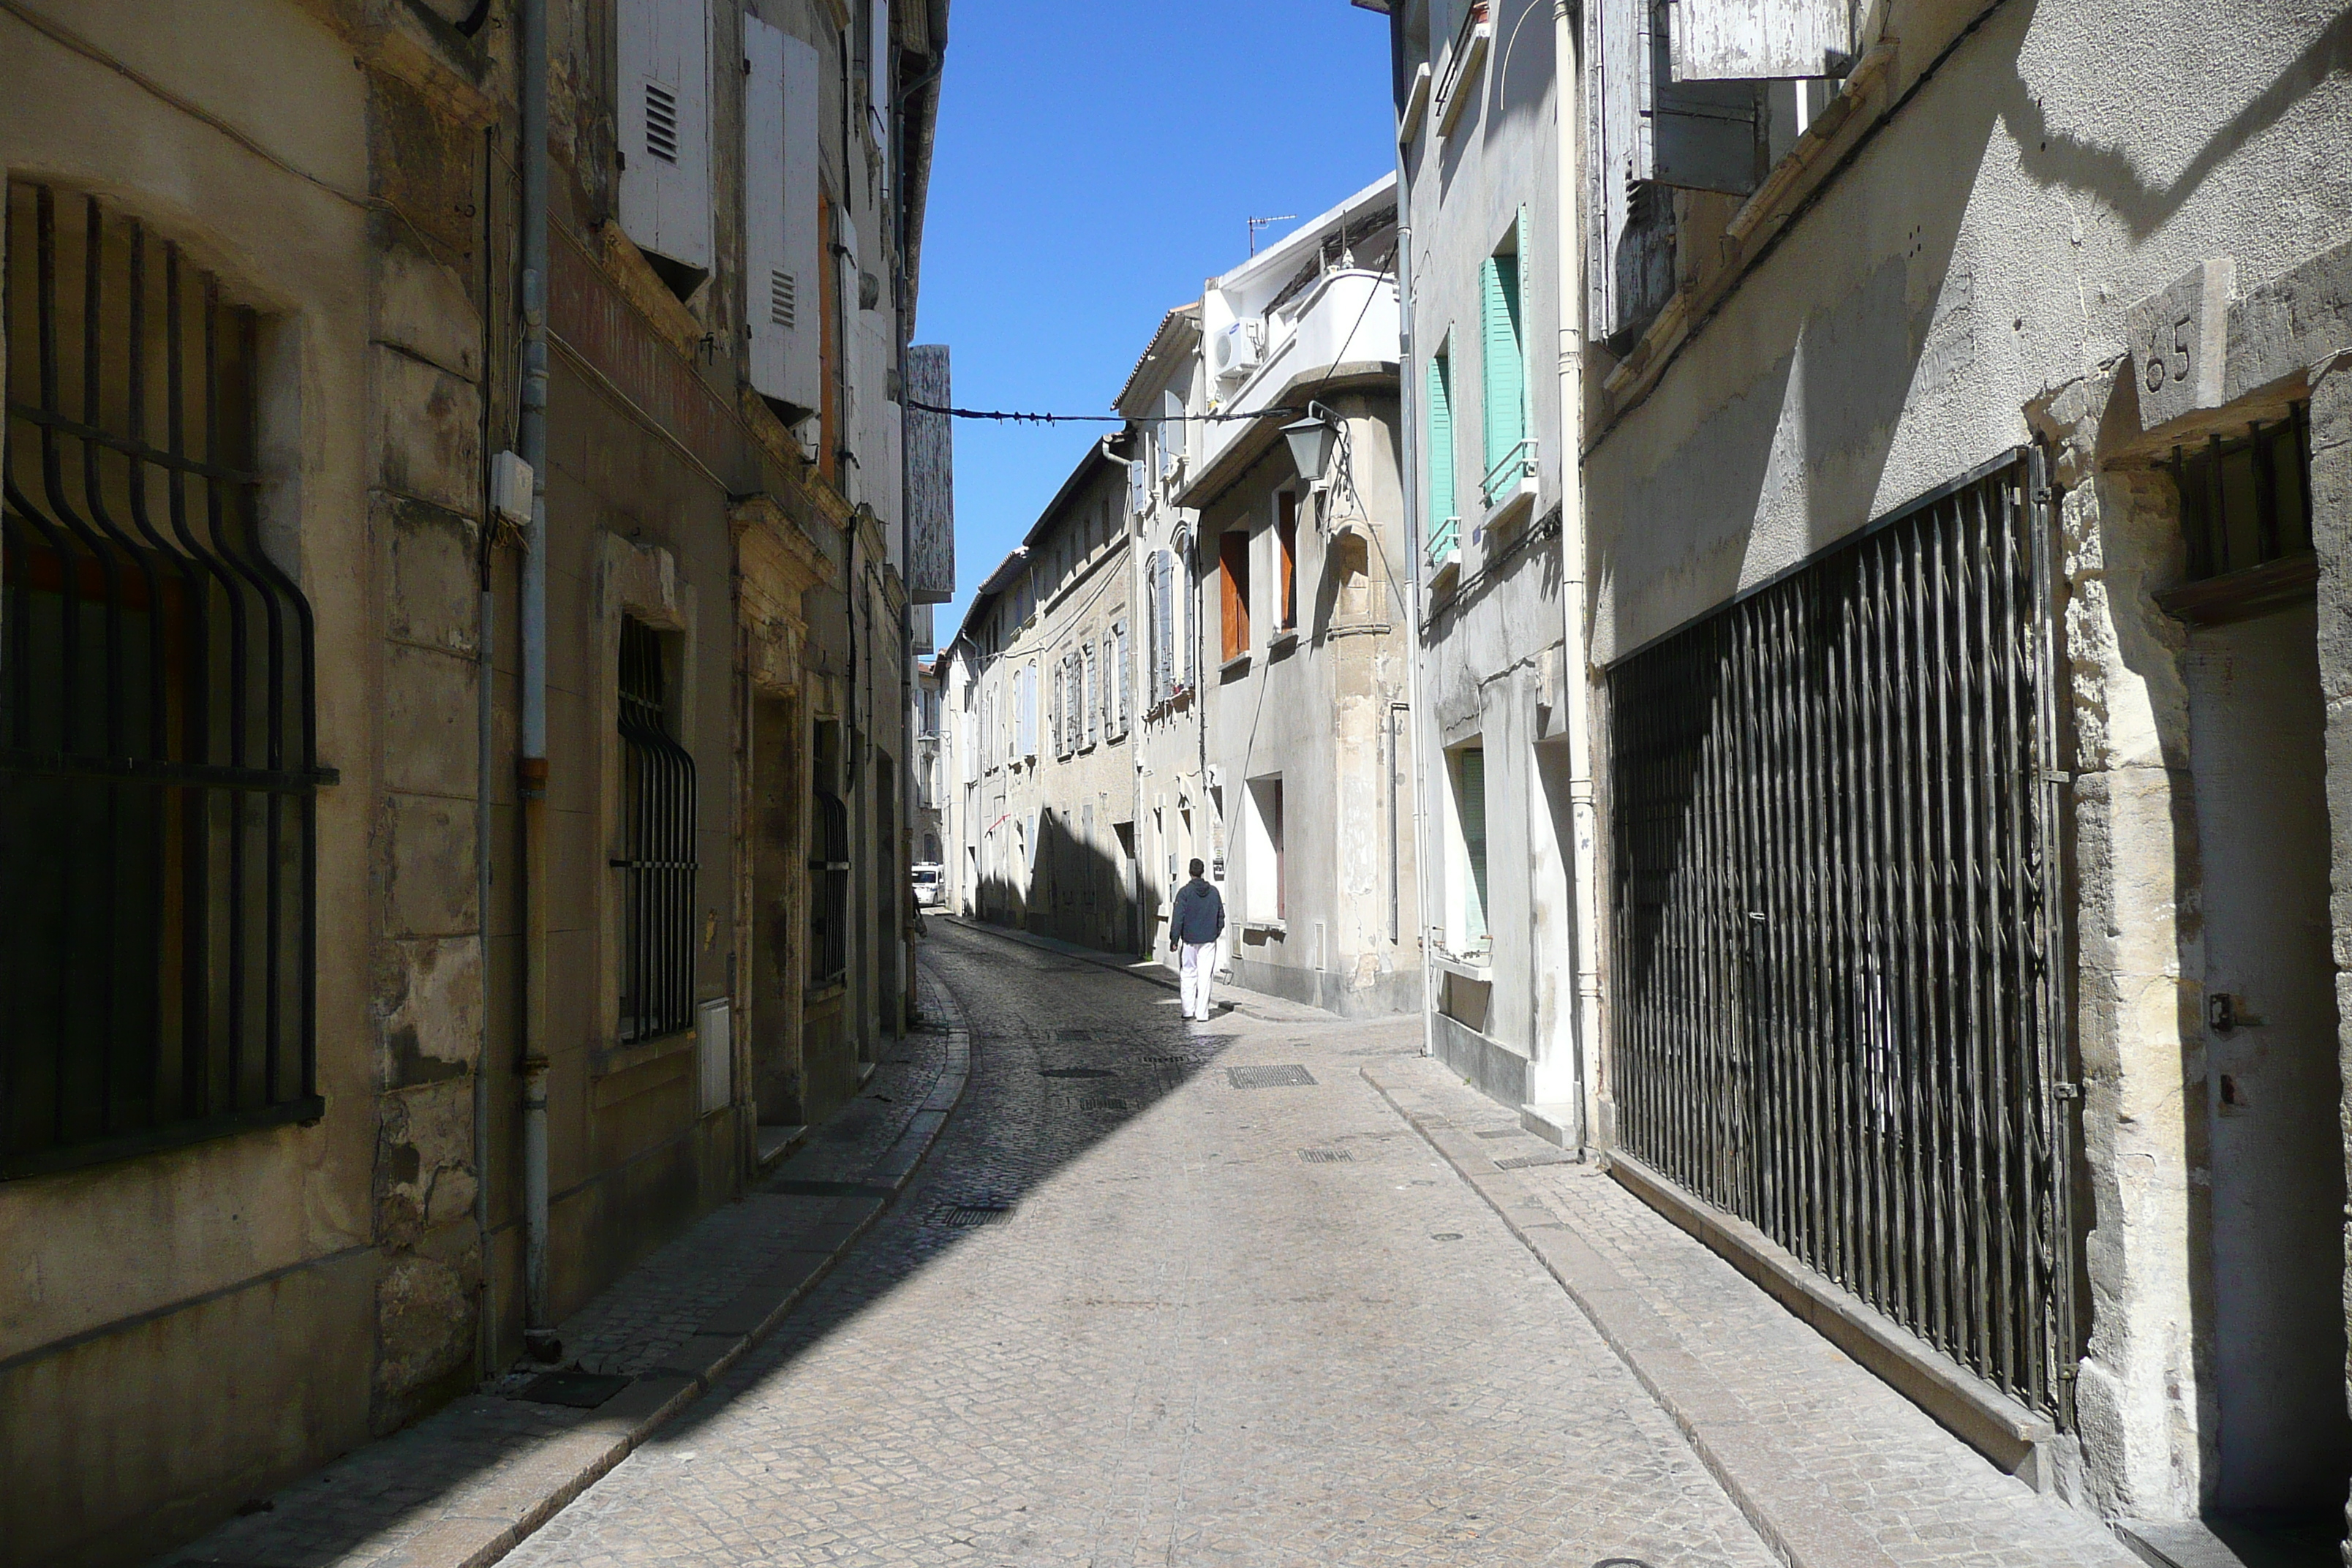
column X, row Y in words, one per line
column 1325, row 1156
column 1075, row 1072
column 579, row 1390
column 1287, row 1076
column 964, row 1216
column 1522, row 1161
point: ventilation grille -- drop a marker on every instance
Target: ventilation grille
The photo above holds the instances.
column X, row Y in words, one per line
column 781, row 303
column 661, row 122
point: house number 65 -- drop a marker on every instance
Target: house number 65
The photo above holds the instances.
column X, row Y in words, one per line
column 2155, row 355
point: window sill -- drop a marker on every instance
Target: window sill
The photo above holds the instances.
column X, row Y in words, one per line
column 1282, row 642
column 130, row 1146
column 1237, row 665
column 619, row 1057
column 1277, row 928
column 2244, row 595
column 1481, row 969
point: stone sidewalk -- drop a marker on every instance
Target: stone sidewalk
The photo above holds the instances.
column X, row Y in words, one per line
column 460, row 1488
column 1831, row 1466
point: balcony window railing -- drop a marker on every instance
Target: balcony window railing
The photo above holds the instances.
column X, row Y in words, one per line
column 1517, row 465
column 1445, row 541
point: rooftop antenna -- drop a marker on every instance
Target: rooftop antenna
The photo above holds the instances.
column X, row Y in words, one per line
column 1258, row 223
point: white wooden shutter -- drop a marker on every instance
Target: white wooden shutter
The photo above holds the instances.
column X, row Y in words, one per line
column 664, row 59
column 1093, row 695
column 1164, row 627
column 1755, row 40
column 1180, row 595
column 1125, row 697
column 1703, row 134
column 772, row 302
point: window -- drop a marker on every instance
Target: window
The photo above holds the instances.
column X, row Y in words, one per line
column 1171, row 432
column 1286, row 549
column 158, row 769
column 1024, row 744
column 1467, row 768
column 1233, row 578
column 1263, row 879
column 657, row 860
column 1503, row 390
column 1444, row 509
column 828, row 865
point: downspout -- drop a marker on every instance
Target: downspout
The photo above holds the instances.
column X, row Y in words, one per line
column 486, row 1336
column 531, row 768
column 1409, row 475
column 1568, row 98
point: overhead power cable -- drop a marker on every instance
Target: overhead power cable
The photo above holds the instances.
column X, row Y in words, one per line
column 1002, row 415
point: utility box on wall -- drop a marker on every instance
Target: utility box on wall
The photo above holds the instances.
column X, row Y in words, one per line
column 931, row 477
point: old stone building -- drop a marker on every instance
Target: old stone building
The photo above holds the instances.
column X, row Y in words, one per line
column 1947, row 568
column 429, row 925
column 1049, row 702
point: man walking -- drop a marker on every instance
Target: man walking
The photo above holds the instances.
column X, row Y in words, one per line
column 1193, row 927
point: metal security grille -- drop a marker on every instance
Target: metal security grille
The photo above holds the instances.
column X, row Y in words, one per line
column 158, row 770
column 1838, row 924
column 658, row 861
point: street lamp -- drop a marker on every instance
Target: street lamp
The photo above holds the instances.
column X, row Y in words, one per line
column 1311, row 440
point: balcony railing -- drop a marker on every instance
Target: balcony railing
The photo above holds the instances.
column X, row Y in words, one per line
column 1445, row 541
column 1517, row 465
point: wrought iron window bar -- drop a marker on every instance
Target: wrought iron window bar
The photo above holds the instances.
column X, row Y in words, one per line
column 1840, row 925
column 657, row 862
column 158, row 755
column 2245, row 521
column 829, row 891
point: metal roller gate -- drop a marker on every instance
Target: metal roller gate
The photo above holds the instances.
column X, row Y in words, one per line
column 1838, row 922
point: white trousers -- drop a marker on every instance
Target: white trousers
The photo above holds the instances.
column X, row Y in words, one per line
column 1197, row 965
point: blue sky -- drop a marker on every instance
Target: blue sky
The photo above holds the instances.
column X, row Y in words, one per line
column 1095, row 161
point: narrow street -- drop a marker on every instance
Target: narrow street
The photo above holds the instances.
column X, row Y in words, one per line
column 1222, row 1324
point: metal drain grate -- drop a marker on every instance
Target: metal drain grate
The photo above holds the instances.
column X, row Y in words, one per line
column 1073, row 1034
column 1325, row 1156
column 1288, row 1075
column 1445, row 1236
column 1523, row 1161
column 1108, row 1102
column 1499, row 1132
column 964, row 1216
column 579, row 1390
column 1075, row 1072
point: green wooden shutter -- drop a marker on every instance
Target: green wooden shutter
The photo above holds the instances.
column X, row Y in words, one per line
column 1441, row 445
column 1506, row 384
column 1471, row 802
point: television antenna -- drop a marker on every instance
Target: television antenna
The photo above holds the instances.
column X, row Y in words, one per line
column 1258, row 223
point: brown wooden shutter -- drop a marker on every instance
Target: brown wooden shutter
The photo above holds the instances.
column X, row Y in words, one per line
column 1286, row 534
column 1233, row 575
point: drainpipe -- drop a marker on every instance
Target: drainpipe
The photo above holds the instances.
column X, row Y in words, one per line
column 486, row 1334
column 1567, row 68
column 1409, row 475
column 531, row 766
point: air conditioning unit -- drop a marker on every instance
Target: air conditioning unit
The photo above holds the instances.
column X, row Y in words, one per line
column 1234, row 351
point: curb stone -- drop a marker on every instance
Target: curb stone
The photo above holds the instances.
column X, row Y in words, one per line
column 551, row 1472
column 1796, row 1516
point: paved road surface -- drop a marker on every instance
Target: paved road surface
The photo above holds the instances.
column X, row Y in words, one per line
column 1133, row 1313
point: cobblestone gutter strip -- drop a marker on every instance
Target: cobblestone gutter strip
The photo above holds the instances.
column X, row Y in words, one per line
column 1146, row 969
column 465, row 1486
column 1793, row 1512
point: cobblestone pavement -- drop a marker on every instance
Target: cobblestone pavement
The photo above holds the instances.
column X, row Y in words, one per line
column 1914, row 1490
column 1137, row 1308
column 459, row 1486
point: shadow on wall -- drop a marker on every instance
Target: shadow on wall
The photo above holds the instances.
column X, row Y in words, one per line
column 1076, row 891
